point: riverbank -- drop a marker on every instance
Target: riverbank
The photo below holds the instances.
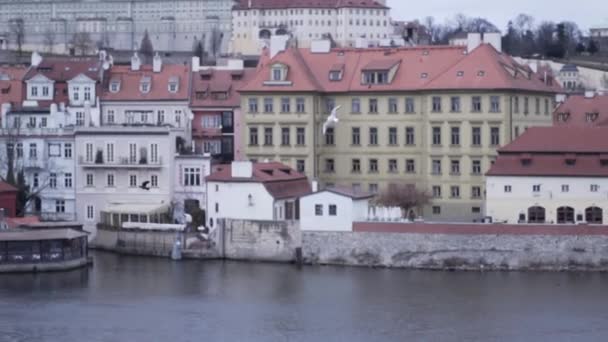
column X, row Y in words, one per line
column 410, row 246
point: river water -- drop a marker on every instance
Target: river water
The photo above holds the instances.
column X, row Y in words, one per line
column 145, row 299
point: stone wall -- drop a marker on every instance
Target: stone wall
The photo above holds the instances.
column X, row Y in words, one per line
column 457, row 251
column 259, row 240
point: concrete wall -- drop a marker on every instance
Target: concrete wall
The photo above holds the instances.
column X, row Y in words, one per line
column 458, row 251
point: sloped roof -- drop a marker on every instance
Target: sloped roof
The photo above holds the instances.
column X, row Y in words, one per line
column 159, row 83
column 577, row 107
column 347, row 192
column 6, row 187
column 63, row 69
column 561, row 139
column 422, row 68
column 11, row 84
column 221, row 80
column 283, row 4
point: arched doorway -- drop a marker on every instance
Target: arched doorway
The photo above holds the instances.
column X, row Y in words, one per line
column 536, row 215
column 281, row 32
column 265, row 34
column 594, row 215
column 565, row 215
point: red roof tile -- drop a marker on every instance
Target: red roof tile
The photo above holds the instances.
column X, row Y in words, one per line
column 229, row 81
column 422, row 68
column 560, row 139
column 6, row 187
column 159, row 81
column 63, row 69
column 11, row 84
column 283, row 4
column 576, row 108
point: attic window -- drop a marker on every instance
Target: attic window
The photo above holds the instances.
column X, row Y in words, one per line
column 591, row 117
column 237, row 77
column 335, row 75
column 570, row 161
column 173, row 84
column 563, row 117
column 114, row 86
column 604, row 161
column 460, row 74
column 200, row 95
column 222, row 95
column 375, row 77
column 144, row 85
column 526, row 160
column 287, row 171
column 424, row 75
column 425, row 52
column 268, row 172
column 205, row 77
column 278, row 73
column 481, row 73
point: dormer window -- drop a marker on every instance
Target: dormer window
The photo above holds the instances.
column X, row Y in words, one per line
column 114, row 86
column 591, row 117
column 563, row 117
column 460, row 74
column 144, row 85
column 173, row 84
column 526, row 160
column 335, row 75
column 379, row 71
column 278, row 73
column 570, row 161
column 481, row 73
column 424, row 75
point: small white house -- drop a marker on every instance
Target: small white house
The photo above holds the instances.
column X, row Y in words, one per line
column 255, row 191
column 333, row 209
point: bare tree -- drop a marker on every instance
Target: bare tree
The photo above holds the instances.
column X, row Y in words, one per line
column 216, row 41
column 432, row 29
column 82, row 42
column 405, row 196
column 17, row 30
column 49, row 40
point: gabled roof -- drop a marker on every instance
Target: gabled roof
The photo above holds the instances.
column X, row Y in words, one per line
column 576, row 108
column 422, row 68
column 63, row 69
column 229, row 81
column 283, row 4
column 11, row 84
column 159, row 89
column 6, row 187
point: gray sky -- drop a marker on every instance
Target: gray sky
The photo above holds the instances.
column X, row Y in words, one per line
column 585, row 13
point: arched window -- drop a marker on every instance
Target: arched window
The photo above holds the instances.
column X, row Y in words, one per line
column 594, row 215
column 565, row 215
column 536, row 215
column 265, row 34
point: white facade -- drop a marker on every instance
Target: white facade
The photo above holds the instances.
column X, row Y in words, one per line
column 329, row 211
column 252, row 28
column 510, row 198
column 130, row 165
column 189, row 182
column 239, row 201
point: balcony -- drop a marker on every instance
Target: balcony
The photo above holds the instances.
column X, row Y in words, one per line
column 33, row 163
column 29, row 131
column 56, row 217
column 121, row 162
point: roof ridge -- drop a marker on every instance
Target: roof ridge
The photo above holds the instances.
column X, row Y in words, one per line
column 308, row 72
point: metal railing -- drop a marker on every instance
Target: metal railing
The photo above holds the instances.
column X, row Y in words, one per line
column 121, row 162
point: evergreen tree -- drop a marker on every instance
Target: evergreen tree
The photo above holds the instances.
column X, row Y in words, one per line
column 592, row 48
column 146, row 49
column 23, row 194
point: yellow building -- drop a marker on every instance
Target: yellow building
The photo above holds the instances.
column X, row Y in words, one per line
column 430, row 116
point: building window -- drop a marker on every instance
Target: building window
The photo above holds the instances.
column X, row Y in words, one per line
column 436, row 191
column 476, row 104
column 508, row 189
column 373, row 106
column 318, row 210
column 392, row 136
column 355, row 106
column 436, row 167
column 546, row 106
column 356, row 136
column 436, row 104
column 253, row 105
column 333, row 210
column 455, row 191
column 393, row 166
column 495, row 136
column 285, row 105
column 476, row 136
column 410, row 166
column 436, row 136
column 476, row 192
column 90, row 213
column 476, row 210
column 594, row 215
column 455, row 136
column 409, row 105
column 537, row 106
column 300, row 136
column 53, row 181
column 110, row 180
column 268, row 105
column 33, row 151
column 67, row 180
column 67, row 150
column 373, row 136
column 19, row 150
column 536, row 188
column 455, row 167
column 565, row 188
column 154, row 181
column 79, row 118
column 268, row 136
column 494, row 104
column 356, row 166
column 330, row 104
column 436, row 210
column 301, row 165
column 300, row 105
column 410, row 136
column 90, row 180
column 133, row 181
column 373, row 188
column 536, row 215
column 392, row 105
column 329, row 137
column 526, row 105
column 373, row 166
column 476, row 167
column 329, row 166
column 59, row 206
column 253, row 136
column 192, row 176
column 87, row 93
column 565, row 215
column 455, row 104
column 594, row 188
column 516, row 105
column 285, row 136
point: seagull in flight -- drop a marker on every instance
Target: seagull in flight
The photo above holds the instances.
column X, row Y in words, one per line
column 145, row 186
column 332, row 120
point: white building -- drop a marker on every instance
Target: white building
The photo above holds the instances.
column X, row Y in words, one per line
column 551, row 175
column 254, row 22
column 333, row 209
column 260, row 191
column 189, row 187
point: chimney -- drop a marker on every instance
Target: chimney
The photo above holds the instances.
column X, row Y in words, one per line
column 196, row 63
column 249, row 4
column 36, row 59
column 5, row 108
column 494, row 39
column 157, row 63
column 589, row 94
column 242, row 169
column 135, row 62
column 473, row 41
column 315, row 186
column 278, row 44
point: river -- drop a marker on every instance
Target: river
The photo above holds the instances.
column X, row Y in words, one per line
column 145, row 299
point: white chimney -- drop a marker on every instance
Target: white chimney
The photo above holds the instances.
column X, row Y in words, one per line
column 157, row 63
column 320, row 46
column 315, row 186
column 589, row 94
column 5, row 108
column 242, row 169
column 102, row 55
column 196, row 63
column 473, row 41
column 36, row 59
column 494, row 39
column 135, row 62
column 278, row 44
column 62, row 107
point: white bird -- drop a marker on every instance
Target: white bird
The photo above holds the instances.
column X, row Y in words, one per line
column 332, row 120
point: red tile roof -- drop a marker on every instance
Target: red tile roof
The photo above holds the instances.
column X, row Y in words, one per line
column 159, row 83
column 575, row 109
column 220, row 81
column 422, row 68
column 6, row 187
column 555, row 151
column 283, row 4
column 63, row 69
column 280, row 180
column 11, row 84
column 350, row 192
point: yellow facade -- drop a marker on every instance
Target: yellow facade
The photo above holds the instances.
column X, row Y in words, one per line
column 385, row 151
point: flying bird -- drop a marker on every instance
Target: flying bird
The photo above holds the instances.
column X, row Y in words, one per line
column 145, row 186
column 332, row 120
